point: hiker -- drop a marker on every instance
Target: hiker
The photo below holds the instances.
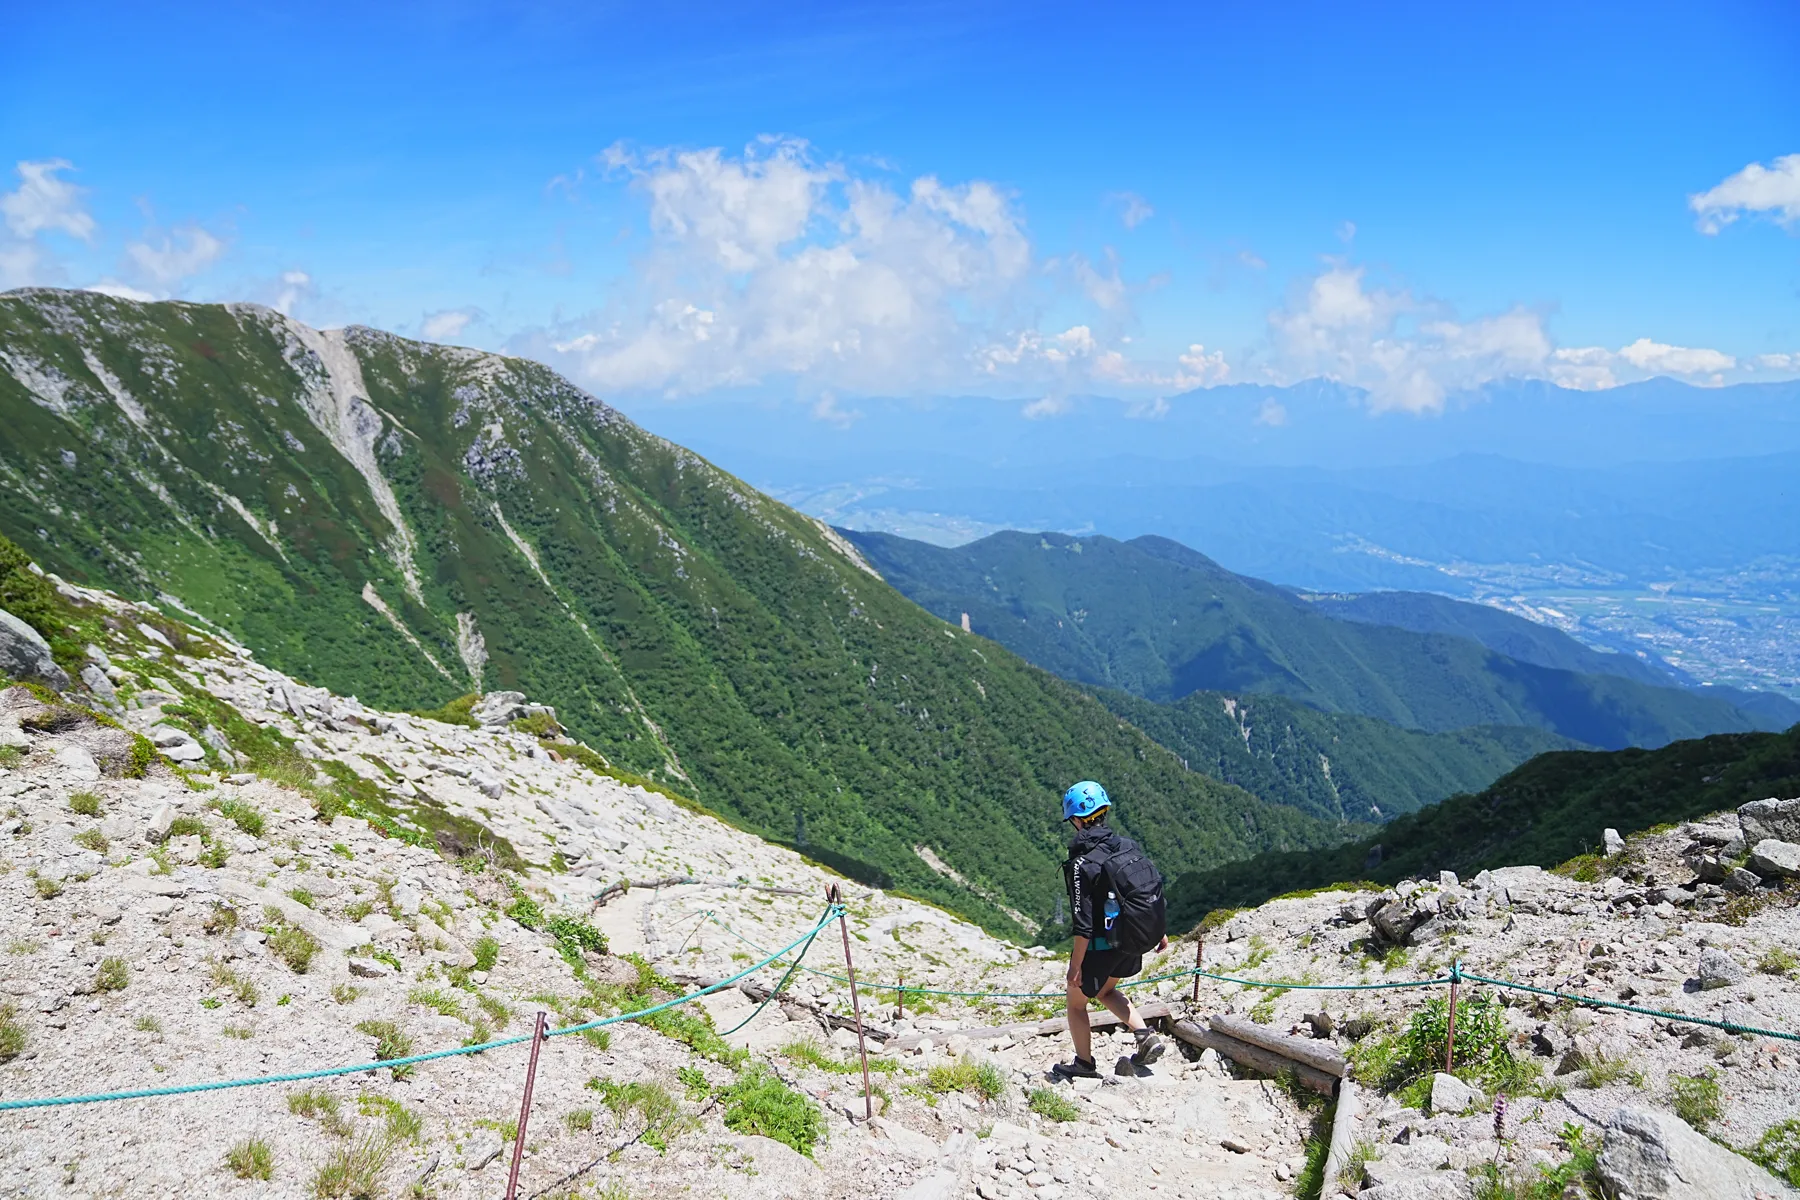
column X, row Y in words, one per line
column 1116, row 903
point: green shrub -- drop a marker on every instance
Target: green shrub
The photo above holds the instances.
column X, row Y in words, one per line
column 693, row 1081
column 1048, row 1102
column 525, row 911
column 92, row 839
column 251, row 1159
column 246, row 817
column 573, row 937
column 292, row 945
column 300, row 895
column 1779, row 1151
column 189, row 827
column 456, row 712
column 487, row 953
column 12, row 1033
column 114, row 975
column 1696, row 1098
column 538, row 725
column 391, row 1042
column 1778, row 960
column 759, row 1103
column 87, row 804
column 984, row 1079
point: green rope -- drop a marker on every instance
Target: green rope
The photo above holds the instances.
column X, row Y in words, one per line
column 1456, row 972
column 767, row 1000
column 1188, row 973
column 410, row 1060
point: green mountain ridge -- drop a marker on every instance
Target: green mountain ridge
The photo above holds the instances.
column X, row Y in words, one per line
column 407, row 522
column 1159, row 620
column 1546, row 812
column 1336, row 766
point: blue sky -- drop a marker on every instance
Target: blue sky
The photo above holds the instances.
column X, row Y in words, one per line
column 1031, row 201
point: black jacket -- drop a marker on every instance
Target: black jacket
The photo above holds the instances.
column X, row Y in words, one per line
column 1082, row 876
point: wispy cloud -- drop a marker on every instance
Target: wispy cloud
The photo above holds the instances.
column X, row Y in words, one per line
column 1134, row 210
column 1773, row 191
column 448, row 323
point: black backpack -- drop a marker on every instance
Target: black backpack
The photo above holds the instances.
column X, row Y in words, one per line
column 1137, row 885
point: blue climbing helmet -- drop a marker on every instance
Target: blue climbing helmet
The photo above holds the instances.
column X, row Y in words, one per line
column 1084, row 800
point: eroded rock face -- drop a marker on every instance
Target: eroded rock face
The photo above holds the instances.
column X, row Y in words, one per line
column 1650, row 1155
column 24, row 654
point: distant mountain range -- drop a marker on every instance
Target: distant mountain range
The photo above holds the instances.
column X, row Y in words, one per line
column 1156, row 619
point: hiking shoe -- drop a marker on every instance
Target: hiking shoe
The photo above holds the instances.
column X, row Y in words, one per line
column 1149, row 1047
column 1081, row 1068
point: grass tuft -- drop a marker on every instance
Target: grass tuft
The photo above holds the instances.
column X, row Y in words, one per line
column 86, row 804
column 114, row 975
column 1050, row 1103
column 390, row 1042
column 251, row 1159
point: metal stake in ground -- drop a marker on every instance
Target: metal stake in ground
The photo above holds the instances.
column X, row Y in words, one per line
column 512, row 1177
column 1450, row 1023
column 1199, row 945
column 834, row 896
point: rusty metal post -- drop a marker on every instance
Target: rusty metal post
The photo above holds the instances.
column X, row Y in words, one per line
column 537, row 1040
column 834, row 896
column 1450, row 1027
column 1199, row 946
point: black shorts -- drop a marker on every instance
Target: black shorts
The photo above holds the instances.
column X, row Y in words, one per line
column 1097, row 966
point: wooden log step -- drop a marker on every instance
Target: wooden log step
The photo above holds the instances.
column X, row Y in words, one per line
column 1320, row 1055
column 1255, row 1057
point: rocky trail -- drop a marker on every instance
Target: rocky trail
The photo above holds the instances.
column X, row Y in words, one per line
column 293, row 881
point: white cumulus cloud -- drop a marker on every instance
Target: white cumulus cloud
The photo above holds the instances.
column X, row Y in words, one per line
column 775, row 262
column 1134, row 210
column 1407, row 353
column 1773, row 190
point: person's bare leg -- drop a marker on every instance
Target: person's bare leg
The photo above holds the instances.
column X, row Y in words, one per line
column 1118, row 1005
column 1080, row 1031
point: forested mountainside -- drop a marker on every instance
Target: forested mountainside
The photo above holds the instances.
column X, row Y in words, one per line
column 1529, row 642
column 1501, row 632
column 408, row 522
column 1159, row 620
column 1548, row 811
column 1337, row 766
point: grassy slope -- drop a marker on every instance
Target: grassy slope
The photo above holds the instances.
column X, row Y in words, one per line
column 1156, row 619
column 1338, row 766
column 1547, row 811
column 684, row 625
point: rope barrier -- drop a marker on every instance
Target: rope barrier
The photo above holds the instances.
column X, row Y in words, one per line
column 831, row 914
column 1730, row 1027
column 1187, row 973
column 803, row 943
column 1457, row 974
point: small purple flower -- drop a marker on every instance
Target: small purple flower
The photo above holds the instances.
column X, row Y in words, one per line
column 1500, row 1118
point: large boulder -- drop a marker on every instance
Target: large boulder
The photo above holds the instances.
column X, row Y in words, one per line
column 1771, row 818
column 1718, row 969
column 24, row 654
column 1650, row 1155
column 1772, row 857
